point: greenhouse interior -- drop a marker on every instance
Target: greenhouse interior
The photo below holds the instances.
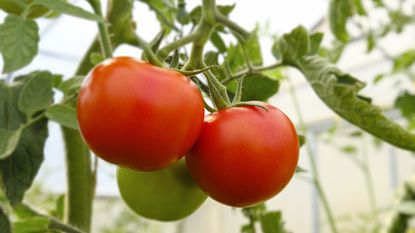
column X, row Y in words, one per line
column 339, row 74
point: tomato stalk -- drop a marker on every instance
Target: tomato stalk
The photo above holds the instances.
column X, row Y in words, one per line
column 151, row 56
column 103, row 29
column 251, row 70
column 80, row 181
column 313, row 165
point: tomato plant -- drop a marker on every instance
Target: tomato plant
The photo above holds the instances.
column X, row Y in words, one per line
column 145, row 192
column 143, row 113
column 11, row 6
column 126, row 108
column 244, row 155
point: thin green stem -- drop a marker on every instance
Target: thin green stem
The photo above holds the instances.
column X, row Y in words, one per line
column 54, row 224
column 151, row 56
column 209, row 11
column 251, row 70
column 105, row 40
column 313, row 164
column 57, row 225
column 80, row 182
column 369, row 183
column 167, row 49
column 231, row 25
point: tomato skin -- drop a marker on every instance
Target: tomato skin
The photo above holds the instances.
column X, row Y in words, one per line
column 244, row 155
column 137, row 115
column 10, row 6
column 168, row 194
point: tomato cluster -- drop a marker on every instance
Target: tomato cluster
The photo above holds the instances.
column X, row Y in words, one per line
column 145, row 118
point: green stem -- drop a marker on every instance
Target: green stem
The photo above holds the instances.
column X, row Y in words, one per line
column 151, row 56
column 57, row 225
column 103, row 30
column 231, row 25
column 251, row 70
column 313, row 164
column 80, row 181
column 369, row 183
column 86, row 64
column 167, row 49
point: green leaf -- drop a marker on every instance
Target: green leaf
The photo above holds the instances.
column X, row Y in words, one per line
column 247, row 229
column 218, row 42
column 295, row 46
column 4, row 222
column 404, row 61
column 212, row 59
column 8, row 141
column 165, row 11
column 63, row 114
column 258, row 87
column 315, row 41
column 23, row 211
column 360, row 9
column 19, row 42
column 72, row 85
column 20, row 168
column 371, row 42
column 63, row 7
column 254, row 212
column 59, row 210
column 349, row 149
column 272, row 222
column 96, row 58
column 339, row 91
column 32, row 225
column 36, row 94
column 301, row 140
column 299, row 169
column 378, row 78
column 275, row 50
column 339, row 12
column 334, row 53
column 235, row 57
column 406, row 104
column 182, row 16
column 196, row 13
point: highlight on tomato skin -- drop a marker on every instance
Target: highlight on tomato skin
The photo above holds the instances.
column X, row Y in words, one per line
column 244, row 155
column 137, row 115
column 168, row 194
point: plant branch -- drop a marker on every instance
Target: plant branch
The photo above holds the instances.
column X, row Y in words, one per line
column 151, row 56
column 167, row 49
column 57, row 225
column 105, row 41
column 54, row 224
column 231, row 25
column 252, row 70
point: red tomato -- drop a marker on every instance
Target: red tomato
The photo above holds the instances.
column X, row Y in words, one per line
column 244, row 155
column 138, row 115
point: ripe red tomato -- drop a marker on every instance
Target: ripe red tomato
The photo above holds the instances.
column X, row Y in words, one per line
column 137, row 115
column 244, row 155
column 168, row 194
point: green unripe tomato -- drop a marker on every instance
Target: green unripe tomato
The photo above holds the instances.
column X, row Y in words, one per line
column 10, row 6
column 168, row 194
